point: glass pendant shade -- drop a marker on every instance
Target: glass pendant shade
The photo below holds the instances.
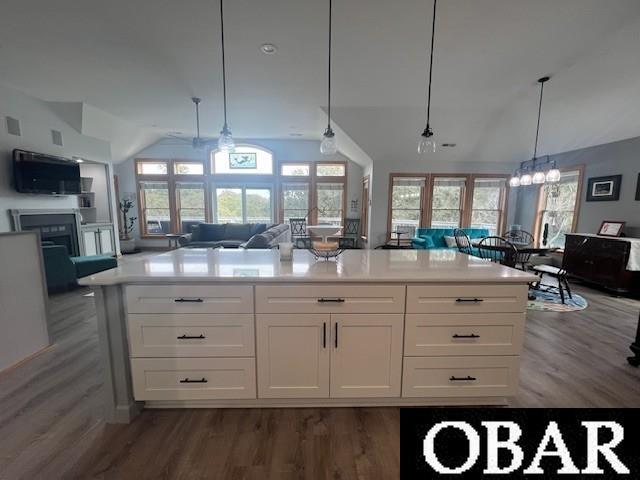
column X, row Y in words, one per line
column 328, row 145
column 525, row 179
column 225, row 140
column 514, row 181
column 426, row 144
column 553, row 175
column 538, row 178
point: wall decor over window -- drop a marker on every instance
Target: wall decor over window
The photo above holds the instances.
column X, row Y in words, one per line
column 604, row 189
column 243, row 160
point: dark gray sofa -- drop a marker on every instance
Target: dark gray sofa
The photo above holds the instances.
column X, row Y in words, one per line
column 234, row 235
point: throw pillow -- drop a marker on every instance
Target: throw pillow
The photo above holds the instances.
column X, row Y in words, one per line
column 450, row 241
column 257, row 241
column 428, row 241
column 237, row 231
column 210, row 232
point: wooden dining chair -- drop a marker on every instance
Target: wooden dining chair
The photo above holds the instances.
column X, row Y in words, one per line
column 498, row 250
column 519, row 237
column 463, row 242
column 560, row 274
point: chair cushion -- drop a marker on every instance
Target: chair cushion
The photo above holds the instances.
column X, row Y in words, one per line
column 550, row 269
column 238, row 231
column 93, row 264
column 209, row 232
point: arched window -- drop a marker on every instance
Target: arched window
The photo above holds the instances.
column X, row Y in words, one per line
column 244, row 160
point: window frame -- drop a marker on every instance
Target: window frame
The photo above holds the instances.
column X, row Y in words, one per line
column 465, row 215
column 243, row 193
column 275, row 168
column 537, row 225
column 503, row 204
column 171, row 178
column 423, row 199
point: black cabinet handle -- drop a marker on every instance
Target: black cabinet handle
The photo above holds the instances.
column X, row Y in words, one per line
column 188, row 300
column 469, row 300
column 324, row 334
column 331, row 300
column 191, row 337
column 336, row 339
column 471, row 335
column 462, row 379
column 188, row 380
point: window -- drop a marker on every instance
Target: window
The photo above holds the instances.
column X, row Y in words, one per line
column 145, row 167
column 330, row 203
column 488, row 204
column 154, row 204
column 244, row 160
column 295, row 200
column 188, row 168
column 331, row 169
column 295, row 169
column 447, row 201
column 236, row 204
column 557, row 207
column 190, row 198
column 407, row 200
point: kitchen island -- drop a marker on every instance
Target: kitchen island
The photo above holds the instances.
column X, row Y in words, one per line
column 239, row 328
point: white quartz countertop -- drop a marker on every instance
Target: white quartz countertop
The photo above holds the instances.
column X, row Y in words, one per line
column 355, row 266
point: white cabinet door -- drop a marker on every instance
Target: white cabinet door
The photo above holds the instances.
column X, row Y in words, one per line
column 90, row 242
column 293, row 355
column 106, row 240
column 366, row 355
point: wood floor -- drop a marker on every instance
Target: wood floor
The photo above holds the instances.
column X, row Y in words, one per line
column 51, row 426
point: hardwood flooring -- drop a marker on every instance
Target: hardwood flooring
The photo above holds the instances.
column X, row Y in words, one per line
column 51, row 425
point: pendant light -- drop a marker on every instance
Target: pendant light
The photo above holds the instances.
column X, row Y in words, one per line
column 225, row 140
column 427, row 143
column 553, row 175
column 328, row 145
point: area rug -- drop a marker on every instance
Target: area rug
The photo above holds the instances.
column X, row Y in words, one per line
column 549, row 301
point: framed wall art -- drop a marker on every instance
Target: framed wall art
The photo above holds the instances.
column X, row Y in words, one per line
column 604, row 189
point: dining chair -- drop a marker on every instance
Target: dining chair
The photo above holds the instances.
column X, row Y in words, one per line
column 519, row 237
column 560, row 274
column 298, row 231
column 463, row 242
column 498, row 250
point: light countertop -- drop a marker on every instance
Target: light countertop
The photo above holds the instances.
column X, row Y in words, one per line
column 258, row 266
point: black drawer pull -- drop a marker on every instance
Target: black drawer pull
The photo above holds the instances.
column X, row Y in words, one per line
column 331, row 300
column 188, row 300
column 471, row 335
column 188, row 380
column 469, row 300
column 191, row 337
column 324, row 334
column 462, row 379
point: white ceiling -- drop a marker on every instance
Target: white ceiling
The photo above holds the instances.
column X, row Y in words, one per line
column 142, row 60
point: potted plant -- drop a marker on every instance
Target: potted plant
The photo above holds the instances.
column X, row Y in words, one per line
column 127, row 242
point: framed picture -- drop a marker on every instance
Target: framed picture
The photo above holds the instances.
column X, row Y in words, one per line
column 638, row 188
column 611, row 228
column 242, row 160
column 604, row 189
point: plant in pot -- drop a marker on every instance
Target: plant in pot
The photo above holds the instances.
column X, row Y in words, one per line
column 127, row 242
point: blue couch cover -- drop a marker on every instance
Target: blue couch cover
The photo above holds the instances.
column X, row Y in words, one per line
column 433, row 238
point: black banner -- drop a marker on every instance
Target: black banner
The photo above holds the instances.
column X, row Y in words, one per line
column 519, row 443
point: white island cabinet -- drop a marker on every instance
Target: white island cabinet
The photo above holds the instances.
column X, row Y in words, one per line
column 238, row 328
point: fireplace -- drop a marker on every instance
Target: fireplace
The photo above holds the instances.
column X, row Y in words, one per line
column 60, row 228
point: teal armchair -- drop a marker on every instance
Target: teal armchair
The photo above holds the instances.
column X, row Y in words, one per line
column 62, row 271
column 433, row 238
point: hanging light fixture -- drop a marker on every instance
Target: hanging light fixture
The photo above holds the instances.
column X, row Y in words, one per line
column 525, row 180
column 553, row 175
column 514, row 181
column 328, row 145
column 538, row 176
column 427, row 143
column 225, row 140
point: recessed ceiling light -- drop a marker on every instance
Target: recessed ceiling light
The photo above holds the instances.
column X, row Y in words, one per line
column 268, row 48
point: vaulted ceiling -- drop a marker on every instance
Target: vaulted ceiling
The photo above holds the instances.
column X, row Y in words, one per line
column 142, row 60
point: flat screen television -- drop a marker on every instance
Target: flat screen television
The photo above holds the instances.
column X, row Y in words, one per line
column 46, row 174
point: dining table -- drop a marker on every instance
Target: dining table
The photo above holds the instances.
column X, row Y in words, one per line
column 521, row 247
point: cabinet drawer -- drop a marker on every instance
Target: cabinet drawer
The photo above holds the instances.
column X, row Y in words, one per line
column 466, row 298
column 189, row 299
column 330, row 299
column 193, row 378
column 463, row 334
column 191, row 335
column 460, row 376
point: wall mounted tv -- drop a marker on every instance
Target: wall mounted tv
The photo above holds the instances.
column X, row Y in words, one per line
column 46, row 174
